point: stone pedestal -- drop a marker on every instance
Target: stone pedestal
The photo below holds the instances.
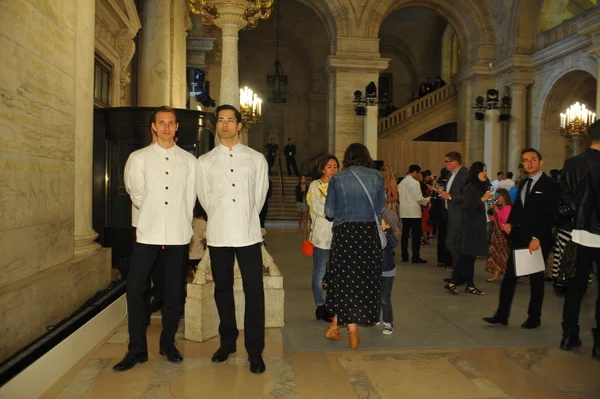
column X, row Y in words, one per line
column 370, row 140
column 202, row 318
column 492, row 153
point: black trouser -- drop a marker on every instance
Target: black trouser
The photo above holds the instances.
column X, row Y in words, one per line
column 585, row 258
column 250, row 262
column 464, row 267
column 271, row 162
column 507, row 290
column 386, row 299
column 156, row 288
column 142, row 261
column 291, row 161
column 412, row 225
column 443, row 254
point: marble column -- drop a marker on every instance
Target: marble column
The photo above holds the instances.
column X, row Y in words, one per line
column 370, row 139
column 154, row 82
column 230, row 24
column 517, row 138
column 84, row 127
column 598, row 87
column 492, row 153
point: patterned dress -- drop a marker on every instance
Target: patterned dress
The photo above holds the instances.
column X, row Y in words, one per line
column 499, row 248
column 355, row 273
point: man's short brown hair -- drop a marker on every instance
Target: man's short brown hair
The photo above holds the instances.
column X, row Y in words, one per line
column 454, row 156
column 163, row 108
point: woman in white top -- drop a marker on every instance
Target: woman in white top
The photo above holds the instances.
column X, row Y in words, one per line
column 321, row 232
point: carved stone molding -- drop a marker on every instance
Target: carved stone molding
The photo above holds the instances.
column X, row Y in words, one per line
column 117, row 24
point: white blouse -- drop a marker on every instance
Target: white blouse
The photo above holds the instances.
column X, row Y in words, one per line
column 232, row 186
column 321, row 232
column 160, row 183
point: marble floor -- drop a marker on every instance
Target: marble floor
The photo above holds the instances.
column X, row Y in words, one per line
column 439, row 349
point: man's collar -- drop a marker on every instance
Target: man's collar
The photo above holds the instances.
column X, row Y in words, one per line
column 237, row 147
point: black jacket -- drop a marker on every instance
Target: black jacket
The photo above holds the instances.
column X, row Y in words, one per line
column 388, row 251
column 537, row 217
column 581, row 179
column 474, row 224
column 301, row 196
column 290, row 149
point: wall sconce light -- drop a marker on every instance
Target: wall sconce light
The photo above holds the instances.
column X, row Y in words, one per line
column 505, row 106
column 479, row 108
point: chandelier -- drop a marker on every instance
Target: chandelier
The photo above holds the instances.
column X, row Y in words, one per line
column 250, row 106
column 277, row 80
column 254, row 10
column 574, row 123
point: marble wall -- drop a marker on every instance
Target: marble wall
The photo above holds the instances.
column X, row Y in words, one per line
column 37, row 135
column 40, row 281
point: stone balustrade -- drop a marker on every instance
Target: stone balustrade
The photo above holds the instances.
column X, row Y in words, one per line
column 439, row 96
column 562, row 31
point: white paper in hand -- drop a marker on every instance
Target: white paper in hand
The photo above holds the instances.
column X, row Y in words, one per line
column 526, row 263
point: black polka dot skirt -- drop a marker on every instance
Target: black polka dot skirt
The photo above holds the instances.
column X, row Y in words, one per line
column 355, row 273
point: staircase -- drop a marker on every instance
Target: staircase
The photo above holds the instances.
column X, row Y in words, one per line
column 421, row 116
column 283, row 207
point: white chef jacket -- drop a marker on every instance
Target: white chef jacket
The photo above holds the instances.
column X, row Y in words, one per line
column 411, row 198
column 232, row 186
column 160, row 183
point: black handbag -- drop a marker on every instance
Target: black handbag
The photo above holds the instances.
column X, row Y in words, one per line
column 568, row 263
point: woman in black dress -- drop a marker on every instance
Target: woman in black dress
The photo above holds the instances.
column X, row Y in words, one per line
column 473, row 229
column 355, row 257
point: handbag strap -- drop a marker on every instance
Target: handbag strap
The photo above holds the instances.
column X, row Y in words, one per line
column 368, row 195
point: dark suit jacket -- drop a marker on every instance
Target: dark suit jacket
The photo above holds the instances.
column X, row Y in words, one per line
column 474, row 223
column 456, row 204
column 537, row 217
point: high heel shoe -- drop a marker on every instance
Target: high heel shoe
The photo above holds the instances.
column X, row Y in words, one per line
column 353, row 339
column 333, row 332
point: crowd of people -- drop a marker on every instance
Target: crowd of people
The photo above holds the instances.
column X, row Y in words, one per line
column 473, row 218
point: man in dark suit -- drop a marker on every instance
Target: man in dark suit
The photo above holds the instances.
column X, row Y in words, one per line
column 454, row 201
column 529, row 225
column 290, row 157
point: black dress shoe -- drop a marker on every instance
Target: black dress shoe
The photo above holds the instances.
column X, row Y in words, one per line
column 173, row 354
column 419, row 260
column 596, row 352
column 222, row 354
column 530, row 324
column 569, row 342
column 257, row 364
column 130, row 360
column 404, row 260
column 495, row 319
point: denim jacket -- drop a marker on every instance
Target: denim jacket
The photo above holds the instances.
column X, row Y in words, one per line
column 348, row 202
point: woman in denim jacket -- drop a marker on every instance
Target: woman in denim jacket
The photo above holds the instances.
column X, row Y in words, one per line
column 355, row 257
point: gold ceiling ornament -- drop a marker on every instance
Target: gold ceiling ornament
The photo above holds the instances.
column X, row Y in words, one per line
column 254, row 10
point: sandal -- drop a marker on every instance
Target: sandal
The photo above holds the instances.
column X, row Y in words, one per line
column 474, row 291
column 451, row 287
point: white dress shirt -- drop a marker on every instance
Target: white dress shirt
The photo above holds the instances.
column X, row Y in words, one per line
column 507, row 184
column 411, row 198
column 232, row 186
column 160, row 183
column 496, row 184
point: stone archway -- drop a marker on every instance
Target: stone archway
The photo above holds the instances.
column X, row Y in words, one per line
column 470, row 20
column 573, row 86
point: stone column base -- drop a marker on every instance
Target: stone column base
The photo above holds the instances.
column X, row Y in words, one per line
column 202, row 318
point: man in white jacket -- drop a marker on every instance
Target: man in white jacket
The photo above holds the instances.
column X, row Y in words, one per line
column 160, row 180
column 411, row 199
